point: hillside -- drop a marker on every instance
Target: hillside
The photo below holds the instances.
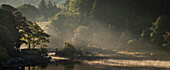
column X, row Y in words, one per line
column 17, row 3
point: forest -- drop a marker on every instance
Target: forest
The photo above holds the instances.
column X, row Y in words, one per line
column 79, row 29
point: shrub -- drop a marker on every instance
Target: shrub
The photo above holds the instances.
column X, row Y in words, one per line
column 3, row 55
column 70, row 50
column 43, row 51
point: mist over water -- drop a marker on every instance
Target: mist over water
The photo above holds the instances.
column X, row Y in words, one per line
column 85, row 34
column 92, row 34
column 95, row 33
column 133, row 63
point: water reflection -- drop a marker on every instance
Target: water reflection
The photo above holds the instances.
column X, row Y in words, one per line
column 59, row 65
column 67, row 65
column 76, row 65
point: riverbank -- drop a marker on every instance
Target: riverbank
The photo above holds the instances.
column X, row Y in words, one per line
column 25, row 59
column 131, row 63
column 121, row 60
column 120, row 63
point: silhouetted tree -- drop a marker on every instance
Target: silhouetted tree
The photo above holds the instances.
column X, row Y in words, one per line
column 49, row 4
column 29, row 11
column 42, row 5
column 83, row 7
column 160, row 31
column 34, row 35
column 48, row 10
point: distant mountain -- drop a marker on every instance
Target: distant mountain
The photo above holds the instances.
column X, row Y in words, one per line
column 17, row 3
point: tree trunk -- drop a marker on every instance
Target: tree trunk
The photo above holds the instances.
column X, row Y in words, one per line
column 29, row 45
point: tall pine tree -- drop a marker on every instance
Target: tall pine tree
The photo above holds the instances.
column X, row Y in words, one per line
column 49, row 4
column 42, row 5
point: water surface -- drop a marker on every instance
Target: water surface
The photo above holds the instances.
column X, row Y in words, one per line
column 77, row 65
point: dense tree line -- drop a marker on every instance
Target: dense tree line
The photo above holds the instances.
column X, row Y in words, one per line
column 17, row 3
column 128, row 21
column 131, row 12
column 88, row 24
column 49, row 9
column 41, row 13
column 31, row 12
column 139, row 18
column 16, row 30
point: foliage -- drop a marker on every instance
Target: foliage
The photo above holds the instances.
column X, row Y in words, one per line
column 129, row 18
column 42, row 5
column 131, row 42
column 48, row 10
column 17, row 3
column 49, row 4
column 166, row 40
column 146, row 34
column 70, row 50
column 117, row 13
column 64, row 20
column 16, row 30
column 29, row 31
column 80, row 38
column 84, row 7
column 160, row 31
column 10, row 36
column 34, row 35
column 125, row 17
column 3, row 55
column 29, row 11
column 43, row 51
column 62, row 24
column 66, row 4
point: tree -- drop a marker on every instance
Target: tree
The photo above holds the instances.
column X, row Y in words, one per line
column 9, row 33
column 42, row 5
column 13, row 29
column 48, row 10
column 3, row 55
column 24, row 31
column 43, row 51
column 63, row 23
column 160, row 31
column 70, row 50
column 34, row 36
column 66, row 4
column 8, row 23
column 29, row 11
column 166, row 42
column 39, row 37
column 55, row 6
column 80, row 39
column 49, row 4
column 83, row 7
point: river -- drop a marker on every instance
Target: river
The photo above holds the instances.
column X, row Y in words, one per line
column 109, row 64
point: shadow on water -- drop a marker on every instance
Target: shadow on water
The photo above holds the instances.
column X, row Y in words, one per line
column 59, row 65
column 68, row 65
column 78, row 65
